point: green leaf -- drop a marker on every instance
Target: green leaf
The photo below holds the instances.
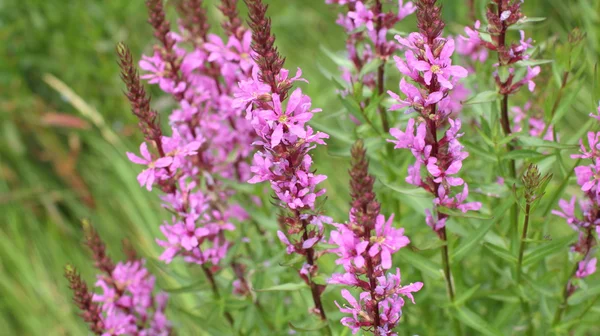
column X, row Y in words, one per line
column 483, row 97
column 539, row 143
column 370, row 67
column 582, row 295
column 416, row 192
column 540, row 252
column 473, row 240
column 526, row 21
column 284, row 287
column 531, row 62
column 197, row 286
column 314, row 327
column 503, row 73
column 334, row 132
column 522, row 154
column 502, row 253
column 320, row 279
column 337, row 59
column 293, row 261
column 480, row 152
column 458, row 213
column 473, row 320
column 422, row 263
column 464, row 296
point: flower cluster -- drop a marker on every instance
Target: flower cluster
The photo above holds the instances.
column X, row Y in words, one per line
column 501, row 15
column 285, row 143
column 367, row 27
column 127, row 304
column 587, row 224
column 428, row 63
column 210, row 139
column 536, row 126
column 365, row 245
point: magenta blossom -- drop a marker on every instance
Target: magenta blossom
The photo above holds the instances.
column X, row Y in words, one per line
column 156, row 168
column 441, row 67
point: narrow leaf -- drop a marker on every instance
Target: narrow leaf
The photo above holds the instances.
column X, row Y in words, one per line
column 422, row 263
column 284, row 287
column 458, row 213
column 483, row 97
column 502, row 253
column 582, row 295
column 538, row 253
column 476, row 237
column 476, row 322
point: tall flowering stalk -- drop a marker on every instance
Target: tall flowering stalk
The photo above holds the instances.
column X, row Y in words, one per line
column 365, row 245
column 367, row 26
column 127, row 303
column 285, row 141
column 433, row 136
column 210, row 139
column 586, row 222
column 501, row 15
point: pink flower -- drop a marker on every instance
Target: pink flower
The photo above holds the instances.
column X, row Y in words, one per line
column 586, row 268
column 472, row 44
column 388, row 240
column 588, row 176
column 414, row 97
column 443, row 174
column 158, row 75
column 297, row 113
column 250, row 90
column 350, row 248
column 435, row 224
column 155, row 167
column 594, row 145
column 362, row 16
column 289, row 247
column 462, row 197
column 441, row 67
column 405, row 10
column 409, row 139
column 355, row 309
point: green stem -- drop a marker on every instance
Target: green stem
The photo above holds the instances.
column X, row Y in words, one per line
column 565, row 296
column 524, row 304
column 523, row 243
column 448, row 277
column 213, row 284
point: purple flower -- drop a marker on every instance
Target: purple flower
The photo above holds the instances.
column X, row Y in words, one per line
column 409, row 139
column 472, row 44
column 442, row 175
column 441, row 67
column 350, row 248
column 588, row 176
column 355, row 309
column 414, row 97
column 586, row 268
column 594, row 145
column 405, row 10
column 297, row 113
column 362, row 16
column 155, row 167
column 388, row 240
column 435, row 224
column 128, row 303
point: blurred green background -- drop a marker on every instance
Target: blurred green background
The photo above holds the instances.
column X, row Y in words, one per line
column 65, row 126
